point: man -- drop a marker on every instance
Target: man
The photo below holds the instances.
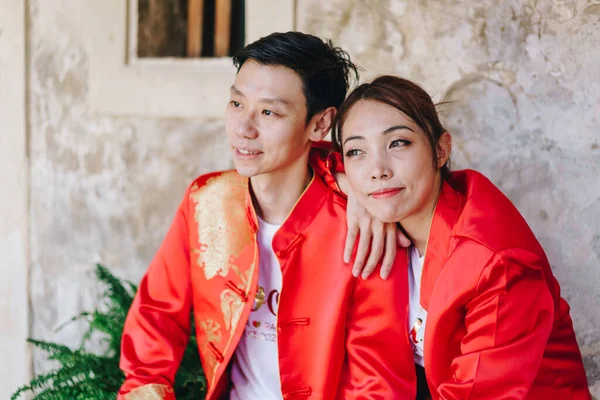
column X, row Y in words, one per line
column 256, row 254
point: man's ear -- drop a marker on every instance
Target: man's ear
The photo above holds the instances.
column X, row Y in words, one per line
column 444, row 149
column 321, row 124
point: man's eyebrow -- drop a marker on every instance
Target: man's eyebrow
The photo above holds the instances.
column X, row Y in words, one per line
column 236, row 90
column 277, row 100
column 271, row 100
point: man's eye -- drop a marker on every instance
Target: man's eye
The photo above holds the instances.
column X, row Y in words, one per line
column 268, row 112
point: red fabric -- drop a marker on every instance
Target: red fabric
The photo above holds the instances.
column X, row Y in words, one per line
column 160, row 314
column 326, row 162
column 497, row 327
column 338, row 337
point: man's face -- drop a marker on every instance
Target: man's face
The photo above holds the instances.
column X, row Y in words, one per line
column 265, row 119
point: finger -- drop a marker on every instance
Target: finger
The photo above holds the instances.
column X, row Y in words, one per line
column 377, row 243
column 363, row 247
column 350, row 240
column 390, row 251
column 403, row 240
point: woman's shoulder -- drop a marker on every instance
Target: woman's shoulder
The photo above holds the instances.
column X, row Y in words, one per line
column 487, row 216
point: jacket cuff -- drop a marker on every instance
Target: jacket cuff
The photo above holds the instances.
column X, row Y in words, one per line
column 153, row 391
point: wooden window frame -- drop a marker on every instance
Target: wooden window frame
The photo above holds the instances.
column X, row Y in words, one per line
column 122, row 84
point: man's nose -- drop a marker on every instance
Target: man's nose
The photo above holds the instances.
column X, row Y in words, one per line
column 246, row 127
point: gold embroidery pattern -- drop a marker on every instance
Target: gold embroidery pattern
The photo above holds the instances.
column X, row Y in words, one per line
column 245, row 276
column 149, row 392
column 212, row 333
column 212, row 330
column 223, row 233
column 219, row 211
column 232, row 307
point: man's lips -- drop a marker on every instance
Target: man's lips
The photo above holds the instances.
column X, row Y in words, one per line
column 384, row 193
column 246, row 153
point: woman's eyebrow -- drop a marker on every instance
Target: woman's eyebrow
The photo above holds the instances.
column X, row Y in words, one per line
column 395, row 128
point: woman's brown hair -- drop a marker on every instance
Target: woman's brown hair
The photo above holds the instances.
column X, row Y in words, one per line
column 404, row 96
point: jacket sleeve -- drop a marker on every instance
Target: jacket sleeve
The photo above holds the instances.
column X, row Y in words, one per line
column 326, row 162
column 507, row 323
column 157, row 327
column 379, row 360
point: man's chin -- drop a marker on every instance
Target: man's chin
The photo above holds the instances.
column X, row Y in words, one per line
column 245, row 171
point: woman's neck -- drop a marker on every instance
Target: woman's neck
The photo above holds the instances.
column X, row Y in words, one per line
column 418, row 225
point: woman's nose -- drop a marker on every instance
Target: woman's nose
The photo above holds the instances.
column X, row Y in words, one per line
column 381, row 170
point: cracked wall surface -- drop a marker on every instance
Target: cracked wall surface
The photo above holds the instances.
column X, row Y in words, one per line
column 524, row 81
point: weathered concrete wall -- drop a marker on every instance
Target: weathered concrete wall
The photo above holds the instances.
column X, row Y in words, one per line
column 102, row 189
column 14, row 309
column 525, row 78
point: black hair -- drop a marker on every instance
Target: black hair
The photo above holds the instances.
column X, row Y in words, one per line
column 325, row 70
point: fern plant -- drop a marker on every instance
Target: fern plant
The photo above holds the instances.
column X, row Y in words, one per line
column 85, row 375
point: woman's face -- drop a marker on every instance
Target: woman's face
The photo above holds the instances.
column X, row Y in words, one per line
column 389, row 164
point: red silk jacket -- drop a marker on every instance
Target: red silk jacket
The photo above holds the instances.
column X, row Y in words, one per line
column 497, row 327
column 338, row 337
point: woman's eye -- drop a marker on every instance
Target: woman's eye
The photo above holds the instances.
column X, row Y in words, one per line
column 268, row 112
column 399, row 143
column 352, row 152
column 235, row 103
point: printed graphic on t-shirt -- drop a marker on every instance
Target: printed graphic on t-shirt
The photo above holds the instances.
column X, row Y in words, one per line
column 417, row 316
column 414, row 332
column 416, row 335
column 262, row 324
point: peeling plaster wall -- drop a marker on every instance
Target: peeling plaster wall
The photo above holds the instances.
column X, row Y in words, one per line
column 103, row 190
column 524, row 76
column 14, row 312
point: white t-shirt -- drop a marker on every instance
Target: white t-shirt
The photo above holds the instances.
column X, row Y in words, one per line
column 255, row 369
column 417, row 316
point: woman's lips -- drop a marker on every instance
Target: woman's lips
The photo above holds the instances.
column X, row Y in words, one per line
column 384, row 193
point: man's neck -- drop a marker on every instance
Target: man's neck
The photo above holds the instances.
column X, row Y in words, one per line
column 275, row 194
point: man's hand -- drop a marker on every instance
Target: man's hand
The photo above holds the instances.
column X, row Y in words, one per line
column 382, row 238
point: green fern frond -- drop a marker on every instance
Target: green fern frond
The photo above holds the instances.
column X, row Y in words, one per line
column 84, row 375
column 81, row 316
column 116, row 291
column 52, row 348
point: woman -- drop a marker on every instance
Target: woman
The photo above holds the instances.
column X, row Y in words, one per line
column 486, row 320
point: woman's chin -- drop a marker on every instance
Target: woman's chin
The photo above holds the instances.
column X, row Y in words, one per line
column 390, row 220
column 385, row 216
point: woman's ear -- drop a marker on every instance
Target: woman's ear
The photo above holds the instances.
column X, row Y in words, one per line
column 322, row 124
column 444, row 149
